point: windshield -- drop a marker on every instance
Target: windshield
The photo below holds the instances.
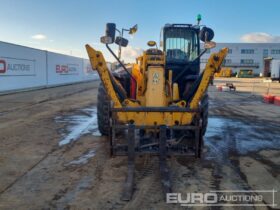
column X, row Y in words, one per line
column 180, row 44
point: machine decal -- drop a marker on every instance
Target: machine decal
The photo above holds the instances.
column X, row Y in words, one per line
column 155, row 78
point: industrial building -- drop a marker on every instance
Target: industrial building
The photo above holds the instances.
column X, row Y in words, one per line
column 245, row 55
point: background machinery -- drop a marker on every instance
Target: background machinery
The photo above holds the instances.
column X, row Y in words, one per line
column 245, row 73
column 224, row 72
column 159, row 105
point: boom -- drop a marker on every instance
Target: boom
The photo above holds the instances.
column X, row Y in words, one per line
column 213, row 65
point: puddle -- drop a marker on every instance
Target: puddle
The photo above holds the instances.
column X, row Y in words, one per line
column 85, row 122
column 96, row 133
column 225, row 136
column 82, row 160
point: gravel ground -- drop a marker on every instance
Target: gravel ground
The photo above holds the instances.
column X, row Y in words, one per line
column 53, row 157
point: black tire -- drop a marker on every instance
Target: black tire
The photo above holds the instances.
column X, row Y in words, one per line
column 103, row 109
column 204, row 114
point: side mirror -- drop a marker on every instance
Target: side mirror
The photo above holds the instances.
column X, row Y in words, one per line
column 209, row 45
column 109, row 37
column 121, row 41
column 206, row 34
column 151, row 43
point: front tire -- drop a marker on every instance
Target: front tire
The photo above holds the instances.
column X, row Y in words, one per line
column 103, row 109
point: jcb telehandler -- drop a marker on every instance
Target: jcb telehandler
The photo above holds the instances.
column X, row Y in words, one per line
column 160, row 105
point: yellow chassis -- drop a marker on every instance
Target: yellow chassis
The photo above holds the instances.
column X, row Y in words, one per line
column 132, row 111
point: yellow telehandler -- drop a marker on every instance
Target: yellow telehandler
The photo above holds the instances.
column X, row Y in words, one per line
column 158, row 106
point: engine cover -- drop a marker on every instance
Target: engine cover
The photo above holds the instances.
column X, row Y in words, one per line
column 155, row 92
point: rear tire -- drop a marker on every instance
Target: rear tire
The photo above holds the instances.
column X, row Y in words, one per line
column 103, row 109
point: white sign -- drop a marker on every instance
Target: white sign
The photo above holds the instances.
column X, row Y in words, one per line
column 16, row 67
column 63, row 69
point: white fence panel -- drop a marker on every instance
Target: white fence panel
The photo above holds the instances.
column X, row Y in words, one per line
column 27, row 68
column 64, row 69
column 21, row 67
column 89, row 74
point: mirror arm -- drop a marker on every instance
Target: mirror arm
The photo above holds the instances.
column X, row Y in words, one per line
column 118, row 31
column 125, row 30
column 111, row 51
column 204, row 51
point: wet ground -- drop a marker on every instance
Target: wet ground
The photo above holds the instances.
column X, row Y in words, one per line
column 53, row 157
column 82, row 123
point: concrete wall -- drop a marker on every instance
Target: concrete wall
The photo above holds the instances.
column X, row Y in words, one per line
column 23, row 68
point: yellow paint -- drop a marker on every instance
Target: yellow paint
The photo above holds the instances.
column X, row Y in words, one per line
column 175, row 94
column 155, row 93
column 149, row 70
column 98, row 63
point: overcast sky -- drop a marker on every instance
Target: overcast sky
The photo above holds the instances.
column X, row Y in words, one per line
column 65, row 26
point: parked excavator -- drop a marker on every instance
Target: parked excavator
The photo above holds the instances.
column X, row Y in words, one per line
column 158, row 106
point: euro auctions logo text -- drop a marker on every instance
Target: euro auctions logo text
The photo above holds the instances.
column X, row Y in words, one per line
column 3, row 67
column 225, row 198
column 67, row 69
column 192, row 198
column 61, row 69
column 16, row 66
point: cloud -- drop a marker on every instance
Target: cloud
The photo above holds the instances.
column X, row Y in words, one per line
column 39, row 37
column 129, row 53
column 259, row 37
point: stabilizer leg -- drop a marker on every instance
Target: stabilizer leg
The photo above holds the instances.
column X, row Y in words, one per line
column 197, row 135
column 128, row 186
column 164, row 172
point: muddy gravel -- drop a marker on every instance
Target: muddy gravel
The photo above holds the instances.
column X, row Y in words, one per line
column 52, row 155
